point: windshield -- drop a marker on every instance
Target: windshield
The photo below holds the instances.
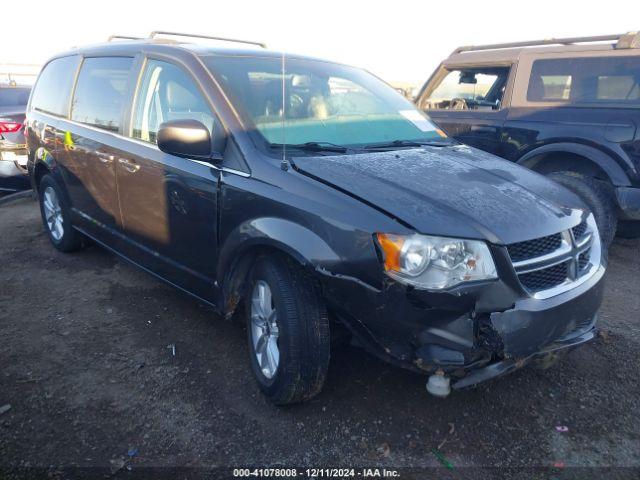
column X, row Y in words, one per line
column 323, row 103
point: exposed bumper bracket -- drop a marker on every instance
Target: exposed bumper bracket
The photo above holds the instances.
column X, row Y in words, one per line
column 505, row 366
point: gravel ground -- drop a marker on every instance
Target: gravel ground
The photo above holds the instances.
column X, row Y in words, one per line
column 95, row 390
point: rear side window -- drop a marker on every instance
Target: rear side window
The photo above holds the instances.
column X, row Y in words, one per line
column 586, row 80
column 14, row 97
column 100, row 92
column 53, row 89
column 167, row 93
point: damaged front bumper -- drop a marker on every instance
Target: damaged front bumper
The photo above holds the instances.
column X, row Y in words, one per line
column 502, row 367
column 472, row 334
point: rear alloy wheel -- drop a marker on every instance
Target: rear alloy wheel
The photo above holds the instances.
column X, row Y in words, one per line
column 52, row 213
column 56, row 216
column 287, row 331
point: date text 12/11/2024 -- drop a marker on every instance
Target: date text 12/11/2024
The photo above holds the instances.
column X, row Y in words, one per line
column 315, row 473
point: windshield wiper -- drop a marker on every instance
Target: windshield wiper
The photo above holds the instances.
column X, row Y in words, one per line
column 313, row 146
column 409, row 143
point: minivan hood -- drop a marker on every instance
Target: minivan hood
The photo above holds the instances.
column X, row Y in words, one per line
column 454, row 191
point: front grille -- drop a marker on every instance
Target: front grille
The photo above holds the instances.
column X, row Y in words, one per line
column 555, row 260
column 546, row 278
column 534, row 248
column 583, row 260
column 580, row 231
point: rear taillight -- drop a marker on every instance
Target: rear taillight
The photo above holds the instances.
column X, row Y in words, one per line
column 10, row 127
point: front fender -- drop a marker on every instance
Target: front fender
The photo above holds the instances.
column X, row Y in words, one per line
column 237, row 253
column 294, row 239
column 605, row 162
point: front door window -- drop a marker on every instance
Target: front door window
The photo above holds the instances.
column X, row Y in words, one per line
column 167, row 93
column 468, row 89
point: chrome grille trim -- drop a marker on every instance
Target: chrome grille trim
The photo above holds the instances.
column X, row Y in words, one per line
column 582, row 256
column 535, row 263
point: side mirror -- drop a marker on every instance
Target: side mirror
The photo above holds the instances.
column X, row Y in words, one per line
column 187, row 139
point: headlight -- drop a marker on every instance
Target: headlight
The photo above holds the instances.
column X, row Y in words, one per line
column 434, row 263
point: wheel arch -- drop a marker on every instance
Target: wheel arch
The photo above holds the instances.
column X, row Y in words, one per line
column 265, row 236
column 578, row 158
column 44, row 163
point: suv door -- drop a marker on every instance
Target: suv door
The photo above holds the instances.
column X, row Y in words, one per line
column 590, row 98
column 88, row 146
column 467, row 104
column 169, row 204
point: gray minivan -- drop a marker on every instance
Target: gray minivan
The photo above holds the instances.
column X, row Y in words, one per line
column 308, row 196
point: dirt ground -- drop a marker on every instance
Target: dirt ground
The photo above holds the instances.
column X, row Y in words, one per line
column 94, row 388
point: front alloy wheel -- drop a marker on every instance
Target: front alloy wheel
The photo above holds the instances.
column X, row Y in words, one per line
column 264, row 329
column 287, row 330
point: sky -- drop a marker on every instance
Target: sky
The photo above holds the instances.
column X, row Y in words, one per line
column 400, row 41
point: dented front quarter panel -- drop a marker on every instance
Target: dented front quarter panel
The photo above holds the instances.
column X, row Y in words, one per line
column 328, row 232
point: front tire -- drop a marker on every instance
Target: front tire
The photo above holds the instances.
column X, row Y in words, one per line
column 287, row 330
column 599, row 197
column 56, row 216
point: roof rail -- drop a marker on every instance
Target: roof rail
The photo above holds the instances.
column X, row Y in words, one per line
column 629, row 40
column 193, row 35
column 122, row 37
column 625, row 40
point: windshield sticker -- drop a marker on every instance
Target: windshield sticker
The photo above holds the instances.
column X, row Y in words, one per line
column 418, row 120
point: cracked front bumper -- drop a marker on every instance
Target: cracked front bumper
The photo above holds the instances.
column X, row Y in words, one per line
column 502, row 367
column 472, row 334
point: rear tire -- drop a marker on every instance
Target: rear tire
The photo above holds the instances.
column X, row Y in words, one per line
column 56, row 216
column 599, row 197
column 297, row 334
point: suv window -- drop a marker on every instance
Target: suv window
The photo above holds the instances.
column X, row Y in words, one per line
column 52, row 91
column 100, row 91
column 469, row 89
column 586, row 80
column 167, row 93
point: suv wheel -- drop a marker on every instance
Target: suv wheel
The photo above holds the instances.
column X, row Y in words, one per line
column 56, row 216
column 598, row 195
column 288, row 331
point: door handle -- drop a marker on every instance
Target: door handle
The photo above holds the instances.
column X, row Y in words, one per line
column 129, row 165
column 105, row 157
